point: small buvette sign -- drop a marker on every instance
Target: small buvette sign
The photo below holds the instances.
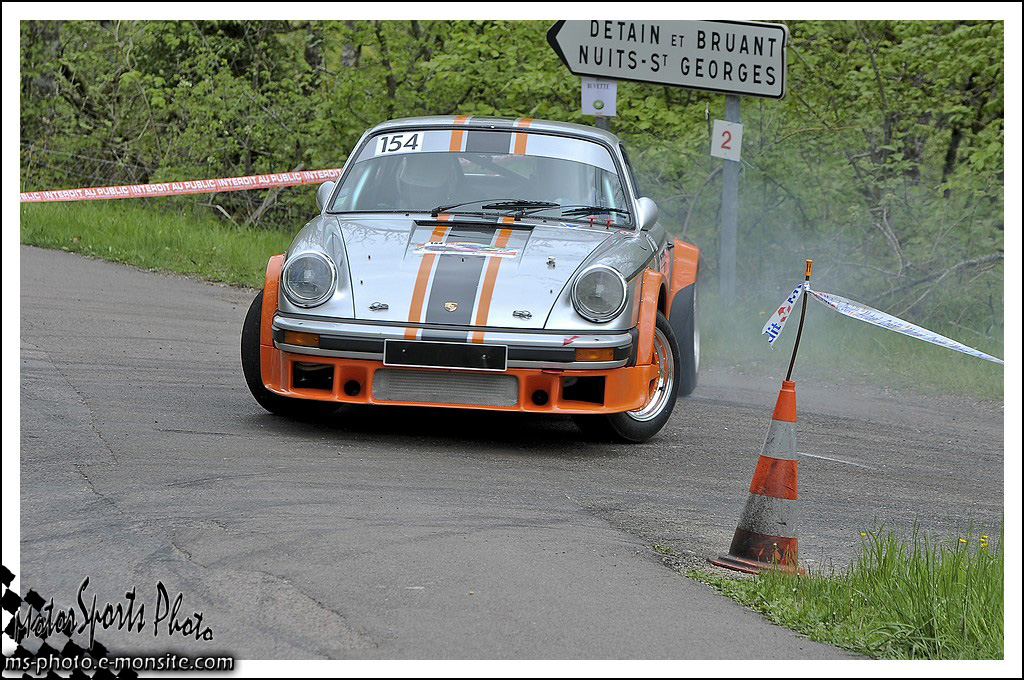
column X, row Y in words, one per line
column 599, row 97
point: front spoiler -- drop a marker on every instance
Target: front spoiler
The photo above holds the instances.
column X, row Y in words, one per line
column 352, row 382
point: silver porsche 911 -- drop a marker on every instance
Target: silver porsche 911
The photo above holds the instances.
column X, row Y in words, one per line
column 481, row 263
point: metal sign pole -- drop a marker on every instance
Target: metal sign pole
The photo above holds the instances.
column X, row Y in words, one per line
column 602, row 123
column 730, row 201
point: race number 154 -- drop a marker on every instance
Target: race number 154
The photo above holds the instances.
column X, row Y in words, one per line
column 398, row 143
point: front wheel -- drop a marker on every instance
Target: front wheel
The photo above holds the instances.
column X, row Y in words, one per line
column 275, row 403
column 645, row 422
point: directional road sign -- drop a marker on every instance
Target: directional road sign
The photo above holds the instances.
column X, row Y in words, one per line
column 734, row 57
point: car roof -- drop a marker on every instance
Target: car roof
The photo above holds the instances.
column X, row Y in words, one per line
column 512, row 124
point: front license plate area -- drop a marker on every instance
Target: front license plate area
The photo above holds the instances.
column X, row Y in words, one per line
column 425, row 354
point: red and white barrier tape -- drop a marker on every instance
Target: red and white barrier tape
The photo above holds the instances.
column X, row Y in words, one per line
column 199, row 186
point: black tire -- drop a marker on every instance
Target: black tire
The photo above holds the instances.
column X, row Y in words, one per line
column 638, row 426
column 689, row 342
column 275, row 403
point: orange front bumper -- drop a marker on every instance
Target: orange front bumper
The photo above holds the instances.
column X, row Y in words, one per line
column 625, row 389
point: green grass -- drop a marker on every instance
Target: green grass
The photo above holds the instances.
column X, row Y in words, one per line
column 836, row 348
column 190, row 242
column 900, row 599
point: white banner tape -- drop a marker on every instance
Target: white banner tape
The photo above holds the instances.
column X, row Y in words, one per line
column 869, row 315
column 778, row 320
column 199, row 186
column 876, row 318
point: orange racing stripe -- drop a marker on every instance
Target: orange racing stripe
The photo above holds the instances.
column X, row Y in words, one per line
column 487, row 290
column 419, row 293
column 519, row 148
column 456, row 143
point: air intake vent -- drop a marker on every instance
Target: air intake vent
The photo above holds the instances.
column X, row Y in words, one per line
column 436, row 387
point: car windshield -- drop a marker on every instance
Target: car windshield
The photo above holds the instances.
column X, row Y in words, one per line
column 483, row 170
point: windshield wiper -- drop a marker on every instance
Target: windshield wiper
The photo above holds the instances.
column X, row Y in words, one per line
column 519, row 204
column 496, row 204
column 581, row 210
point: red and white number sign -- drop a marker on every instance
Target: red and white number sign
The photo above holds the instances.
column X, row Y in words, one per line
column 726, row 138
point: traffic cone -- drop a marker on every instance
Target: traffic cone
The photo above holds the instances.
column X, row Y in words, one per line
column 765, row 536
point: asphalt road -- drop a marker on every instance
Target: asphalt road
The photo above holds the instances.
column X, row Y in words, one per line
column 422, row 533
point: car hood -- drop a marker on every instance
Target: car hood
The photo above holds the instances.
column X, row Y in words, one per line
column 466, row 273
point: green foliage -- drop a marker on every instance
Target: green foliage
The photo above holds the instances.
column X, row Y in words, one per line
column 135, row 233
column 884, row 162
column 901, row 599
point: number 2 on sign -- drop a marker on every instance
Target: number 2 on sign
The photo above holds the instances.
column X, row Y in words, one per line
column 726, row 140
column 403, row 143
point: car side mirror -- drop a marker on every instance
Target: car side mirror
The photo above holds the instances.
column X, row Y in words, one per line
column 323, row 193
column 647, row 213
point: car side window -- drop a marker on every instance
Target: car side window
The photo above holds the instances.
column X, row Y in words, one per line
column 629, row 170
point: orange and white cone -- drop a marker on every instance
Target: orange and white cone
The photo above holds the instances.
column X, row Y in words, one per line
column 765, row 536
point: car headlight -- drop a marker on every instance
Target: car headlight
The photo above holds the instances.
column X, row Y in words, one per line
column 599, row 293
column 309, row 278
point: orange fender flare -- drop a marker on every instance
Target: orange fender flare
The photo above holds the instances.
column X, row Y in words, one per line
column 684, row 269
column 270, row 287
column 650, row 288
column 269, row 369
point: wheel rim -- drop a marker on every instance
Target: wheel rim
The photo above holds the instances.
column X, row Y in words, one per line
column 662, row 389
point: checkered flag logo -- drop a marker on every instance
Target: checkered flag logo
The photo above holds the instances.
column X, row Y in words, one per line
column 58, row 645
